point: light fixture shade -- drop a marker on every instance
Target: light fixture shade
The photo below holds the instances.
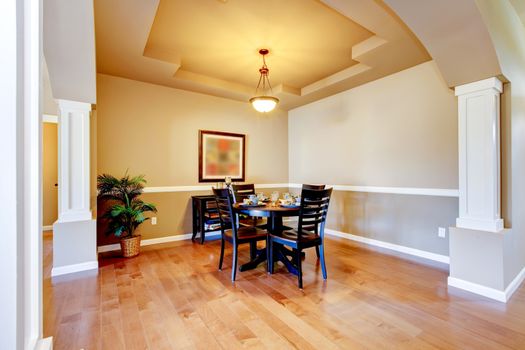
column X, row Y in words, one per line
column 264, row 104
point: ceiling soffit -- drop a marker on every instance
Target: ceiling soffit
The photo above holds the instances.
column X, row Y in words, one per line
column 317, row 48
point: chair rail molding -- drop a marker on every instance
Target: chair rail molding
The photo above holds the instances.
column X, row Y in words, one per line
column 438, row 192
column 479, row 155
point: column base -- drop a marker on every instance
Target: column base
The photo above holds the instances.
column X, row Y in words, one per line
column 75, row 215
column 74, row 247
column 480, row 224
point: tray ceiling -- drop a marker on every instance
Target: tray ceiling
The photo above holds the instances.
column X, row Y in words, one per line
column 210, row 46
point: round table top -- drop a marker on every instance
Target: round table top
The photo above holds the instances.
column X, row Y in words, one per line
column 267, row 209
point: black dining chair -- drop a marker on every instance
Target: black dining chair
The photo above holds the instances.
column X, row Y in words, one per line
column 313, row 187
column 314, row 207
column 241, row 192
column 315, row 227
column 232, row 233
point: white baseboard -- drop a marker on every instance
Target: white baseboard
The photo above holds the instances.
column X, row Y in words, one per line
column 515, row 284
column 398, row 248
column 167, row 239
column 488, row 292
column 44, row 344
column 475, row 288
column 62, row 270
column 47, row 228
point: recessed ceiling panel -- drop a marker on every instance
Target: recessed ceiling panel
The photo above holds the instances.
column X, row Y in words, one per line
column 308, row 40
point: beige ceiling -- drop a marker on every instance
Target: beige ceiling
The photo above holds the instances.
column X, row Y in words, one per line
column 221, row 40
column 519, row 6
column 317, row 48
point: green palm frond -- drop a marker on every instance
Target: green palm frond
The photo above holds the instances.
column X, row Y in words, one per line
column 128, row 213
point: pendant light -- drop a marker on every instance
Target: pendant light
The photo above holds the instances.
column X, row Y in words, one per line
column 264, row 103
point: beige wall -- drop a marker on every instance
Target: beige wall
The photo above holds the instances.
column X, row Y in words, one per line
column 50, row 174
column 399, row 131
column 153, row 130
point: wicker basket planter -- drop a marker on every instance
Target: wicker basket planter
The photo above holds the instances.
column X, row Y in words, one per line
column 130, row 246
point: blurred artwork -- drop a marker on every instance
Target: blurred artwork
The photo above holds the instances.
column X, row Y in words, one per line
column 221, row 155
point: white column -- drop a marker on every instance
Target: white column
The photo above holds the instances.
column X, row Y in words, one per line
column 479, row 155
column 73, row 158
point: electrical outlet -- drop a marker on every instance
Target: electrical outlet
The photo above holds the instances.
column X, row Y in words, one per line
column 442, row 232
column 154, row 220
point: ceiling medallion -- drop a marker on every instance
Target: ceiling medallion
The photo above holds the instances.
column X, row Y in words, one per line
column 264, row 103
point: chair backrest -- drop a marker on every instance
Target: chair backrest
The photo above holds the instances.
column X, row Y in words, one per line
column 314, row 207
column 313, row 187
column 224, row 206
column 242, row 191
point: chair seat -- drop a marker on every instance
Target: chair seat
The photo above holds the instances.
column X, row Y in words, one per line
column 246, row 234
column 290, row 237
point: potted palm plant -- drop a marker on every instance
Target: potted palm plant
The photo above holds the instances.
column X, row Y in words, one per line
column 127, row 210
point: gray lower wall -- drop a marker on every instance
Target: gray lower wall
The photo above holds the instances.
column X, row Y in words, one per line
column 407, row 220
column 74, row 243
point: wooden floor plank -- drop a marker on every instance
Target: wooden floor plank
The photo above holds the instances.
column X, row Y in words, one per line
column 173, row 297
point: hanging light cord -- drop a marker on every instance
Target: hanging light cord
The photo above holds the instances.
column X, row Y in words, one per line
column 264, row 77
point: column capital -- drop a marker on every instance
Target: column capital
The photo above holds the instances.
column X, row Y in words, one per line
column 478, row 86
column 74, row 105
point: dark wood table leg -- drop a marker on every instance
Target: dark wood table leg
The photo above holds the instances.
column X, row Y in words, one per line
column 281, row 253
column 194, row 219
column 260, row 257
column 201, row 222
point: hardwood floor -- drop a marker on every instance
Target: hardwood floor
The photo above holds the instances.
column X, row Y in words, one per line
column 172, row 296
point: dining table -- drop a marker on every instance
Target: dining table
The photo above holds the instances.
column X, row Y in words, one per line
column 274, row 214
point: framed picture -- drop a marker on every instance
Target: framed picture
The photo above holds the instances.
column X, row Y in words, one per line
column 221, row 154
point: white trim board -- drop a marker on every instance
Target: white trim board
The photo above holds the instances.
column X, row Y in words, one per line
column 49, row 118
column 167, row 239
column 395, row 247
column 62, row 270
column 491, row 293
column 162, row 189
column 438, row 192
column 44, row 344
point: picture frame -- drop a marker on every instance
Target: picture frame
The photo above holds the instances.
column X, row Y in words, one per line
column 221, row 155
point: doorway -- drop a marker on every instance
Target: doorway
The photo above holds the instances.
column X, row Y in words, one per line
column 49, row 175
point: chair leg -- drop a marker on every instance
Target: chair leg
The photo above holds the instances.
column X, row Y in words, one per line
column 299, row 268
column 253, row 250
column 323, row 265
column 203, row 236
column 269, row 254
column 221, row 258
column 317, row 251
column 234, row 262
